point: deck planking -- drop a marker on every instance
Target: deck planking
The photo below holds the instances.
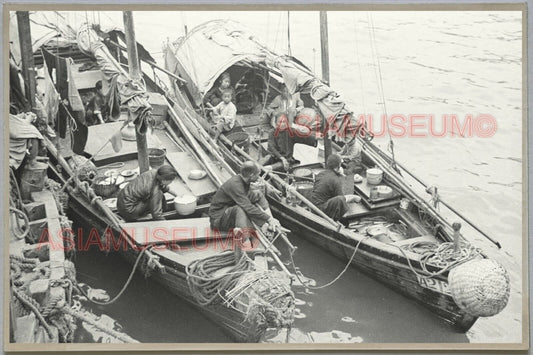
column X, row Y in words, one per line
column 183, row 162
column 100, row 134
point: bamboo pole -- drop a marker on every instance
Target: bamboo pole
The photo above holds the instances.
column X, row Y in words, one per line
column 26, row 51
column 205, row 162
column 324, row 48
column 135, row 75
column 421, row 182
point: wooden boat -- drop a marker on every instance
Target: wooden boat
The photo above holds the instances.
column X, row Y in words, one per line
column 244, row 296
column 411, row 255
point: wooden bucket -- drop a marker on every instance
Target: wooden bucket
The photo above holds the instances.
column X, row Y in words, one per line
column 156, row 157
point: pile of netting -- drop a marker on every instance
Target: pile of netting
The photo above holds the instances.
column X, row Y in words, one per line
column 479, row 286
column 444, row 256
column 263, row 297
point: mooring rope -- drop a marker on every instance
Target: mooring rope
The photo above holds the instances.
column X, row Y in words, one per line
column 332, row 281
column 130, row 277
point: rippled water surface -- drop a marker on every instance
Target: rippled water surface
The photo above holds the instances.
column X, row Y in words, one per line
column 430, row 63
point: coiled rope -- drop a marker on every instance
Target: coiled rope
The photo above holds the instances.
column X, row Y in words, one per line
column 205, row 284
column 444, row 256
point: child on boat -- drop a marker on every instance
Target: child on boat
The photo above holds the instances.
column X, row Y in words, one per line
column 214, row 96
column 224, row 115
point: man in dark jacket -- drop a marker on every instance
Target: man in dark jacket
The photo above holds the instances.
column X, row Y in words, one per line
column 328, row 192
column 145, row 194
column 231, row 206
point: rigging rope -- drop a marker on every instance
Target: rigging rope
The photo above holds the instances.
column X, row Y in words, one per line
column 358, row 59
column 379, row 82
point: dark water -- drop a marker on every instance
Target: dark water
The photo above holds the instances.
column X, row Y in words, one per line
column 355, row 308
column 146, row 310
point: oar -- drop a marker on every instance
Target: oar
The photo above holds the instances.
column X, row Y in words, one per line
column 400, row 182
column 289, row 188
column 206, row 163
column 213, row 148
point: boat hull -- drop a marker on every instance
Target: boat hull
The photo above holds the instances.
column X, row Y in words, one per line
column 388, row 268
column 174, row 279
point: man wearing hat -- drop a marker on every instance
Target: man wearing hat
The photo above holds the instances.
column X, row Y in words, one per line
column 145, row 194
column 232, row 205
column 328, row 192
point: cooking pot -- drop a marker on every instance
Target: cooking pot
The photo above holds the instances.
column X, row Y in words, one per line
column 185, row 204
column 374, row 176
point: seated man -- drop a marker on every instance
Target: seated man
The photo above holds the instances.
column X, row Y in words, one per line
column 95, row 109
column 250, row 90
column 214, row 96
column 328, row 192
column 281, row 141
column 232, row 208
column 284, row 104
column 224, row 115
column 145, row 194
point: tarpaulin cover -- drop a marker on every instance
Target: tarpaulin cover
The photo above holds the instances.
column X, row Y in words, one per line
column 131, row 93
column 211, row 48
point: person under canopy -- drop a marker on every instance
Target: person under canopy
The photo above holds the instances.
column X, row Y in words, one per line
column 145, row 194
column 328, row 192
column 223, row 115
column 237, row 206
column 214, row 96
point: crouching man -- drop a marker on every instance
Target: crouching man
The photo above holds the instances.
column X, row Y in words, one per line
column 235, row 206
column 145, row 194
column 328, row 192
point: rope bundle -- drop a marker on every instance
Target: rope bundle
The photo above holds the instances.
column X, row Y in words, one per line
column 263, row 297
column 204, row 282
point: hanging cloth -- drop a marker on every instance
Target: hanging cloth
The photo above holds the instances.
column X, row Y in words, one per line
column 51, row 98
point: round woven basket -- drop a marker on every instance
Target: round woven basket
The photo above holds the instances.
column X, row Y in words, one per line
column 480, row 287
column 103, row 190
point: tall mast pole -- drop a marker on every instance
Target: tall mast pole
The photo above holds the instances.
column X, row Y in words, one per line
column 26, row 51
column 325, row 74
column 136, row 76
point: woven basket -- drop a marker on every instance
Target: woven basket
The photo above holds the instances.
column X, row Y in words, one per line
column 103, row 190
column 480, row 287
column 85, row 169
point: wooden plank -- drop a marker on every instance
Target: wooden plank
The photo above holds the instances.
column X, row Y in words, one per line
column 49, row 201
column 183, row 162
column 87, row 79
column 356, row 209
column 100, row 134
column 185, row 257
column 169, row 231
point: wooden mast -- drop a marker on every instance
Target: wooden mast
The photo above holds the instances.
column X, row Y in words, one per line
column 135, row 75
column 324, row 47
column 26, row 52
